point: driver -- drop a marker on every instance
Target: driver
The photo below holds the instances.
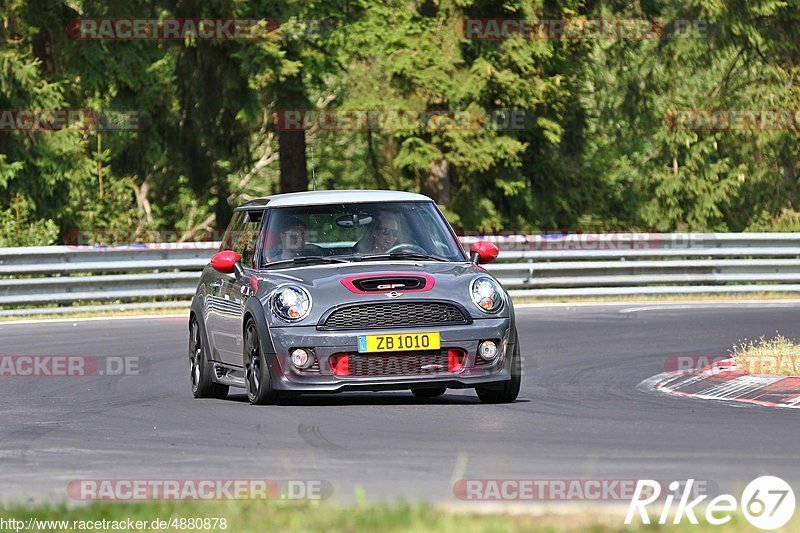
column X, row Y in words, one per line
column 292, row 237
column 383, row 234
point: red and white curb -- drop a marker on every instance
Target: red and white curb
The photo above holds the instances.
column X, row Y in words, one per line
column 723, row 381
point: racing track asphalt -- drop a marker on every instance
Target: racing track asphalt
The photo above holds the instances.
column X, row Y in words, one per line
column 579, row 415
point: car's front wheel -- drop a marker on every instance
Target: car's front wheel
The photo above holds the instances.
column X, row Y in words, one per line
column 509, row 390
column 203, row 385
column 256, row 375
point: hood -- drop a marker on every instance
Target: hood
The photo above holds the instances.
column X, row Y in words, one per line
column 333, row 285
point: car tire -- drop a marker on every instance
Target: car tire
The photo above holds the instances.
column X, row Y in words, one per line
column 203, row 385
column 257, row 377
column 429, row 393
column 509, row 390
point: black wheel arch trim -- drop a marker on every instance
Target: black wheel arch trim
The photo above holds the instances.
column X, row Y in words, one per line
column 254, row 308
column 197, row 312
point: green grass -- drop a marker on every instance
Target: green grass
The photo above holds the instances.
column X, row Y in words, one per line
column 244, row 516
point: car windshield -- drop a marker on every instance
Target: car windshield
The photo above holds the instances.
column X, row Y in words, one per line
column 355, row 232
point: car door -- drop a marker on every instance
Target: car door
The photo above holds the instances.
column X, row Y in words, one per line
column 235, row 290
column 215, row 304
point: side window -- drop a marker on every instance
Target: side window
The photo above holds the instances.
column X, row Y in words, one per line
column 234, row 228
column 432, row 234
column 247, row 237
column 430, row 226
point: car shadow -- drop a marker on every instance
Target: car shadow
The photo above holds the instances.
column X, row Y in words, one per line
column 370, row 398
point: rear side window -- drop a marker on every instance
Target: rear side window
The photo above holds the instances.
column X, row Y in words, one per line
column 242, row 235
column 234, row 227
column 246, row 239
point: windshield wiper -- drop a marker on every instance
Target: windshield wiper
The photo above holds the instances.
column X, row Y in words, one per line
column 304, row 259
column 406, row 255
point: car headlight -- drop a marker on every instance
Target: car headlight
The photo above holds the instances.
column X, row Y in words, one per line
column 291, row 303
column 486, row 294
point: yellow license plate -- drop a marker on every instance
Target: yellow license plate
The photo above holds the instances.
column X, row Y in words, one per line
column 398, row 342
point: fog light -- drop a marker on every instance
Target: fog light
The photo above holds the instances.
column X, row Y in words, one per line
column 302, row 358
column 487, row 350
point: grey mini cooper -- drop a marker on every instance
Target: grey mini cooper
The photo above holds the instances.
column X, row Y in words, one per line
column 331, row 291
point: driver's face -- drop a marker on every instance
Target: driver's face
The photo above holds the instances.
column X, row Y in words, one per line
column 293, row 238
column 385, row 234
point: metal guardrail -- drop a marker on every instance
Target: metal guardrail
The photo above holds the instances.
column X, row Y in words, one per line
column 529, row 265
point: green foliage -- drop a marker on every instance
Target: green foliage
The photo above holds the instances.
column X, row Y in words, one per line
column 256, row 515
column 20, row 229
column 597, row 149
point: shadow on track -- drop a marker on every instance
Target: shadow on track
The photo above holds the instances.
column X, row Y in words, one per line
column 374, row 399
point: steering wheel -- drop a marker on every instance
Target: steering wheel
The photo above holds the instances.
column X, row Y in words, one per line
column 407, row 247
column 315, row 248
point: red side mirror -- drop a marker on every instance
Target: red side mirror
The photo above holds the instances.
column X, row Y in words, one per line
column 224, row 261
column 486, row 251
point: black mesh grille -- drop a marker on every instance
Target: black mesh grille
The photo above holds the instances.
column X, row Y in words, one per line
column 405, row 364
column 481, row 362
column 396, row 314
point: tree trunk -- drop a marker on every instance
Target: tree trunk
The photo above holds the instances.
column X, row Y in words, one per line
column 437, row 182
column 291, row 95
column 222, row 209
column 293, row 164
column 373, row 161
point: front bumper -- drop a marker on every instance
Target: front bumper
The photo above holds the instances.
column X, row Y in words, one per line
column 327, row 343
